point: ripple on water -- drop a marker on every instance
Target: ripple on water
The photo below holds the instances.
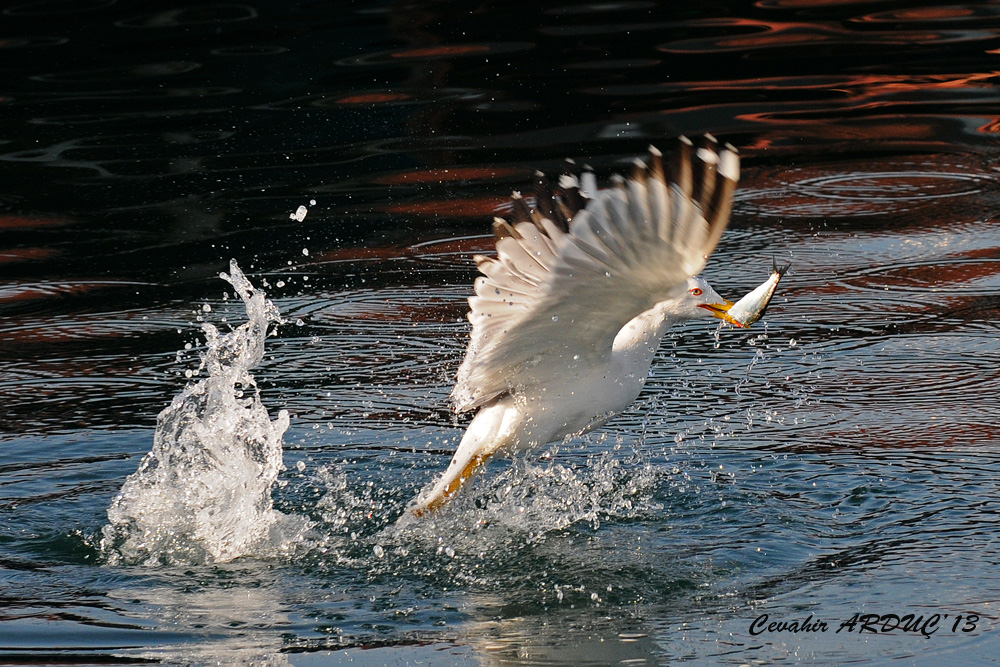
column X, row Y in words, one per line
column 121, row 73
column 836, row 457
column 208, row 14
column 921, row 16
column 436, row 53
column 754, row 35
column 882, row 188
column 58, row 7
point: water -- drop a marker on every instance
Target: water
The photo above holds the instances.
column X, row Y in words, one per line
column 203, row 494
column 838, row 458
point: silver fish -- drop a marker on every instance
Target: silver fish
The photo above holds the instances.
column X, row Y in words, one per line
column 751, row 307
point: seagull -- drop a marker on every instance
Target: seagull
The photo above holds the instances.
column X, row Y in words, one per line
column 568, row 315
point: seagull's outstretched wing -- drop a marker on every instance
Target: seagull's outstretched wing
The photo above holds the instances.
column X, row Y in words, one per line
column 571, row 271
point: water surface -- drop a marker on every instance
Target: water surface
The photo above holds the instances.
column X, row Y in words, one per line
column 837, row 459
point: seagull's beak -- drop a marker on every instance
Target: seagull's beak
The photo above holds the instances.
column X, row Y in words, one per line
column 721, row 310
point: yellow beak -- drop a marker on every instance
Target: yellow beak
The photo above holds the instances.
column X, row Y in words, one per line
column 721, row 310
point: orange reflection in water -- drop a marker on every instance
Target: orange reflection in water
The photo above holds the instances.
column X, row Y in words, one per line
column 952, row 275
column 933, row 13
column 442, row 51
column 355, row 254
column 908, row 284
column 767, row 35
column 992, row 126
column 10, row 221
column 25, row 254
column 475, row 207
column 893, row 127
column 35, row 291
column 465, row 246
column 450, row 174
column 374, row 98
column 877, row 84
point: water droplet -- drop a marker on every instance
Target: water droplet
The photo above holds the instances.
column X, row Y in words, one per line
column 378, row 551
column 151, row 507
column 300, row 466
column 305, row 251
column 555, row 318
column 206, row 308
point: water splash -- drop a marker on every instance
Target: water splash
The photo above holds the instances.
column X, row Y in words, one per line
column 203, row 493
column 539, row 497
column 527, row 503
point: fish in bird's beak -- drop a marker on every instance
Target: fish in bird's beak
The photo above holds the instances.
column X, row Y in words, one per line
column 721, row 310
column 751, row 307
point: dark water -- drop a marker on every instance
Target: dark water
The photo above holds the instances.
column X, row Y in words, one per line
column 838, row 459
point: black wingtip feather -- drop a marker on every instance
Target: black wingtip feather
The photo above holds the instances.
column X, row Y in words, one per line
column 695, row 173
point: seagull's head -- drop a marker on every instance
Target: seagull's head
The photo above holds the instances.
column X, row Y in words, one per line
column 700, row 300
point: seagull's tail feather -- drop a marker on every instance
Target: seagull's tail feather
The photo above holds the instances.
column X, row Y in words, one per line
column 492, row 430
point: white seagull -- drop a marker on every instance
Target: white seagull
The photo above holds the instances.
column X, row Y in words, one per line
column 568, row 316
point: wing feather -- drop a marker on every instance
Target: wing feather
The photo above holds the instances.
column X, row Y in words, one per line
column 535, row 242
column 574, row 265
column 588, row 239
column 513, row 253
column 501, row 274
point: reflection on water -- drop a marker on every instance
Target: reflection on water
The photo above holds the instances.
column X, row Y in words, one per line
column 836, row 458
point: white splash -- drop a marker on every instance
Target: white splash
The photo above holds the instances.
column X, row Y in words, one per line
column 534, row 499
column 203, row 493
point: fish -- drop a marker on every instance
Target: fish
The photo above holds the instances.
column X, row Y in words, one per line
column 751, row 307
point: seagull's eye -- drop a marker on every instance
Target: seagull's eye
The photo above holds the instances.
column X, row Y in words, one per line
column 696, row 291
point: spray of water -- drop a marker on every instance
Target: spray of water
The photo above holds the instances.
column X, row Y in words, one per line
column 203, row 493
column 530, row 501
